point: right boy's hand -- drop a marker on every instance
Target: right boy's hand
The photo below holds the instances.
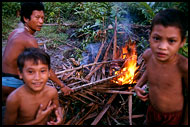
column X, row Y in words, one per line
column 44, row 113
column 140, row 93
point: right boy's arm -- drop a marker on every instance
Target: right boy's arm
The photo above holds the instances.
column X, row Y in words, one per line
column 139, row 91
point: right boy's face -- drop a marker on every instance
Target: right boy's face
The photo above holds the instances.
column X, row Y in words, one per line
column 165, row 42
column 35, row 76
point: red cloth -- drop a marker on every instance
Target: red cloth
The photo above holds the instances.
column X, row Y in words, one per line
column 154, row 117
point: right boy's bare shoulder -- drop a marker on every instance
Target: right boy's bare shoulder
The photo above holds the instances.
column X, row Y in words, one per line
column 147, row 54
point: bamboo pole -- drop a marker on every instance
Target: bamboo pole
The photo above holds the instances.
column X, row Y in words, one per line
column 115, row 39
column 106, row 107
column 94, row 83
column 130, row 108
column 115, row 91
column 83, row 66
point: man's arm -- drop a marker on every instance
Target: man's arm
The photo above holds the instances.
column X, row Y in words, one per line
column 66, row 90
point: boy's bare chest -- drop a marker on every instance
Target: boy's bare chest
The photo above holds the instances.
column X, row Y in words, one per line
column 30, row 106
column 163, row 75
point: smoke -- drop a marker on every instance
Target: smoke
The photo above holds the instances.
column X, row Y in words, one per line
column 90, row 54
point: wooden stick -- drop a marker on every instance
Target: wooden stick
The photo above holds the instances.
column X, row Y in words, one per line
column 78, row 99
column 106, row 55
column 115, row 39
column 106, row 107
column 118, row 92
column 96, row 59
column 83, row 66
column 94, row 83
column 67, row 76
column 130, row 109
column 133, row 116
column 63, row 24
column 90, row 93
column 82, row 95
column 80, row 121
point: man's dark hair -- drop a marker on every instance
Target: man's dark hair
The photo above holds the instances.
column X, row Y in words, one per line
column 28, row 7
column 172, row 17
column 34, row 54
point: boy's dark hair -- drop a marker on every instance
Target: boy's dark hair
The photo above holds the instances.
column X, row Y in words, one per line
column 34, row 54
column 28, row 7
column 172, row 17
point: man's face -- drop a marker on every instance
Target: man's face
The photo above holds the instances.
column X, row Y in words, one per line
column 165, row 42
column 36, row 20
column 35, row 76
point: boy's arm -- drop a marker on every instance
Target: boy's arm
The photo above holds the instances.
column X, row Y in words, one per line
column 139, row 91
column 185, row 77
column 41, row 114
column 65, row 89
column 12, row 105
column 58, row 111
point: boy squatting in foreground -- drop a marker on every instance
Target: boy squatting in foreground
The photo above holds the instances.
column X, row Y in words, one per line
column 32, row 103
column 166, row 70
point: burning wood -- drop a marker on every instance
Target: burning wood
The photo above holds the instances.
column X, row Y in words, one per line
column 129, row 67
column 95, row 89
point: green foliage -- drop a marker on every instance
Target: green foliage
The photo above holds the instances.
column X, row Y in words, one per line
column 58, row 11
column 9, row 9
column 50, row 33
column 184, row 50
column 91, row 11
column 9, row 19
column 90, row 16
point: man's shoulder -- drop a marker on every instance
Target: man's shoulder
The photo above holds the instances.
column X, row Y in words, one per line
column 25, row 40
column 23, row 37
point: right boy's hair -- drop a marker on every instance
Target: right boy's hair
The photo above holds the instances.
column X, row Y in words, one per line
column 34, row 54
column 28, row 7
column 172, row 17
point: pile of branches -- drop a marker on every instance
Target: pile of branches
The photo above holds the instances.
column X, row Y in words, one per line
column 96, row 100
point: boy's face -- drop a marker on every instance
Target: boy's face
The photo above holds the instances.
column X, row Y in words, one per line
column 35, row 76
column 165, row 42
column 36, row 20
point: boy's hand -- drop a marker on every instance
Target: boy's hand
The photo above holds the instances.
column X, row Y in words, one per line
column 44, row 113
column 59, row 119
column 140, row 93
column 66, row 90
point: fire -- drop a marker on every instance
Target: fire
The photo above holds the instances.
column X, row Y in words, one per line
column 127, row 72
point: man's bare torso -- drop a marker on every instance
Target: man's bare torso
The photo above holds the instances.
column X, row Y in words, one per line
column 165, row 84
column 18, row 40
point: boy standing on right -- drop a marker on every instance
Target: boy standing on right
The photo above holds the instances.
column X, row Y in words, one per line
column 166, row 70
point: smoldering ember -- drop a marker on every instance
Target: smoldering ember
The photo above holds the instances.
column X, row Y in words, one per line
column 103, row 83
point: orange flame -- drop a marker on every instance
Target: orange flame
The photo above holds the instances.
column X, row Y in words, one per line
column 128, row 71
